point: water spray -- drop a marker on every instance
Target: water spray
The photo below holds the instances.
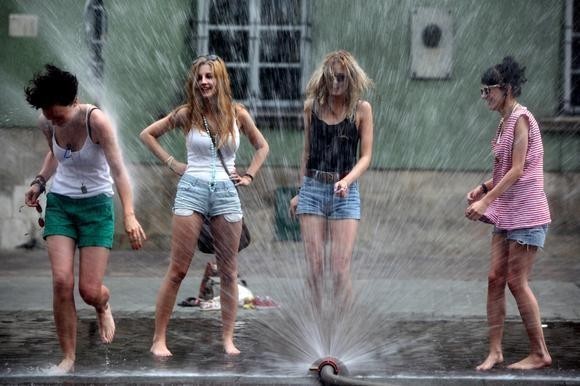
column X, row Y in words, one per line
column 331, row 371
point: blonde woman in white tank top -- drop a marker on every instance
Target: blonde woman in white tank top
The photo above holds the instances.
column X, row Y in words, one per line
column 205, row 188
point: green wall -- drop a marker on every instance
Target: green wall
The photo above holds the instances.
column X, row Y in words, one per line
column 443, row 124
column 419, row 124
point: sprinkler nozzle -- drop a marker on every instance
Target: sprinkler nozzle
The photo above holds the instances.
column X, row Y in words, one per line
column 338, row 367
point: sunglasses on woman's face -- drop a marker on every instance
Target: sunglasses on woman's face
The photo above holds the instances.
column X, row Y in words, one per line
column 39, row 210
column 485, row 90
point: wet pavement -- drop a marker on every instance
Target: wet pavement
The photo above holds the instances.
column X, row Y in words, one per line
column 422, row 326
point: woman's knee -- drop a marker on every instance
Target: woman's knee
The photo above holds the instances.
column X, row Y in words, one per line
column 496, row 279
column 91, row 293
column 517, row 284
column 63, row 286
column 175, row 275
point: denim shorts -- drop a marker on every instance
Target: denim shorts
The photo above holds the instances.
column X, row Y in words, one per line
column 318, row 198
column 534, row 236
column 89, row 221
column 194, row 195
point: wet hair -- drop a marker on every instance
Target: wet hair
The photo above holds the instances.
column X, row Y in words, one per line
column 51, row 87
column 358, row 81
column 508, row 72
column 224, row 103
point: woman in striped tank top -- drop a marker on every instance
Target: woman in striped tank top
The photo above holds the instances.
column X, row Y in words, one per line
column 514, row 201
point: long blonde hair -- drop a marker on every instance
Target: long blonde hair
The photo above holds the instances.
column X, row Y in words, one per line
column 221, row 105
column 358, row 81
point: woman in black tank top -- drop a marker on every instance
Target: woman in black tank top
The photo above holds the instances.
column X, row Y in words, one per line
column 338, row 136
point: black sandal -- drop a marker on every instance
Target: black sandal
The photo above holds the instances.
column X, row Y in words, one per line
column 189, row 302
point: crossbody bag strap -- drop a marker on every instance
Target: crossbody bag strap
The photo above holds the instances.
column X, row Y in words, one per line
column 218, row 151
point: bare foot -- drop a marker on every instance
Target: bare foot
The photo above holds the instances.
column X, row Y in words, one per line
column 491, row 360
column 160, row 350
column 230, row 349
column 64, row 367
column 532, row 361
column 106, row 324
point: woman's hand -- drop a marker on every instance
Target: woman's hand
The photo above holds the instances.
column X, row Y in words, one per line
column 341, row 188
column 476, row 210
column 293, row 206
column 134, row 231
column 31, row 195
column 238, row 180
column 178, row 168
column 475, row 195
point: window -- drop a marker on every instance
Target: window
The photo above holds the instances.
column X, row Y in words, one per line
column 572, row 58
column 265, row 44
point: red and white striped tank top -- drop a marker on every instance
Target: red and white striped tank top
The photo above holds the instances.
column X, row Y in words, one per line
column 524, row 204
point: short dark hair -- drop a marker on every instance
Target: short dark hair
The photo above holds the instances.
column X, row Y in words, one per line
column 508, row 72
column 51, row 87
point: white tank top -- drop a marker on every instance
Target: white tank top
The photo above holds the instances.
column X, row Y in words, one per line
column 200, row 159
column 83, row 173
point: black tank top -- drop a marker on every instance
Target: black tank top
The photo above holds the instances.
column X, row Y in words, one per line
column 333, row 148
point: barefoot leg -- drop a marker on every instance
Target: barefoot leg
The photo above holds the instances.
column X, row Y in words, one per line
column 106, row 324
column 521, row 262
column 61, row 251
column 182, row 249
column 92, row 267
column 226, row 242
column 496, row 302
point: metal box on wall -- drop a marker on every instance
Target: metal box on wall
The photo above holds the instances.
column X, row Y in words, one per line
column 431, row 43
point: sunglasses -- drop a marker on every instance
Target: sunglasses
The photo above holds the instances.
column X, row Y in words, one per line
column 485, row 90
column 39, row 211
column 68, row 151
column 211, row 57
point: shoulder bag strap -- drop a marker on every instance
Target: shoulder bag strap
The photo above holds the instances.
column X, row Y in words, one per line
column 219, row 153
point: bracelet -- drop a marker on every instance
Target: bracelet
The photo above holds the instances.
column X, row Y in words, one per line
column 484, row 188
column 169, row 162
column 40, row 181
column 249, row 175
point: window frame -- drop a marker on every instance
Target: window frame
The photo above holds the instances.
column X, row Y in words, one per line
column 256, row 104
column 569, row 72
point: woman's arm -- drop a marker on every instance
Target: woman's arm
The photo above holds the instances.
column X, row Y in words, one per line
column 365, row 128
column 158, row 128
column 305, row 154
column 248, row 127
column 47, row 170
column 308, row 106
column 104, row 134
column 519, row 150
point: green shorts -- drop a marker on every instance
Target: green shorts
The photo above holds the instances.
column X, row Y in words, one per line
column 89, row 221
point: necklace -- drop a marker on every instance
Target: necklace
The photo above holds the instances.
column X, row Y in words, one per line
column 514, row 107
column 74, row 161
column 213, row 153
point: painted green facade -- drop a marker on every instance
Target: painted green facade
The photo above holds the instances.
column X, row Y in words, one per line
column 419, row 124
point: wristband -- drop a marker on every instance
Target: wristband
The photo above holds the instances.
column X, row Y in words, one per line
column 484, row 188
column 249, row 175
column 40, row 181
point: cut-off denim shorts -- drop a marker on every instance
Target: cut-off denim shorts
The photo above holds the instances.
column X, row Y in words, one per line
column 318, row 198
column 534, row 236
column 194, row 195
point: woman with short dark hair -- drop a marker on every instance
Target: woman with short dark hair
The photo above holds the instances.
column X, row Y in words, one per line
column 84, row 160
